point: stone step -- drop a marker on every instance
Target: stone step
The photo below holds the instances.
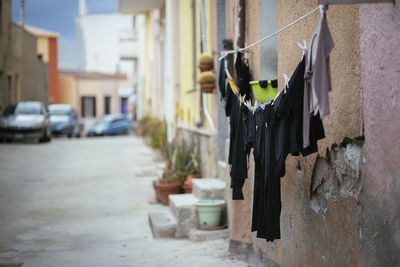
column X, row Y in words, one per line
column 162, row 223
column 208, row 188
column 183, row 208
column 197, row 235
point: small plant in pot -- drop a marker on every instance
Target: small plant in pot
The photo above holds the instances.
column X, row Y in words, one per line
column 207, row 81
column 187, row 164
column 206, row 62
column 180, row 162
column 193, row 171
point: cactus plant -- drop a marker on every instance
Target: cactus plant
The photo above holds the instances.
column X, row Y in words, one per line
column 207, row 81
column 206, row 62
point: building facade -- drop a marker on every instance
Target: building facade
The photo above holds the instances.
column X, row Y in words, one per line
column 173, row 35
column 47, row 49
column 340, row 206
column 23, row 75
column 92, row 94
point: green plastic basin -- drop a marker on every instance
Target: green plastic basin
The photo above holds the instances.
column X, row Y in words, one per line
column 209, row 212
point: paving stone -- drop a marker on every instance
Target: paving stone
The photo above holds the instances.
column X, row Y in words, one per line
column 197, row 235
column 162, row 224
column 208, row 188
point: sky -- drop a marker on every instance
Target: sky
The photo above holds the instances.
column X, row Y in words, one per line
column 59, row 15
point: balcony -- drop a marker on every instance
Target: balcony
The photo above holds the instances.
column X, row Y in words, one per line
column 138, row 6
column 129, row 49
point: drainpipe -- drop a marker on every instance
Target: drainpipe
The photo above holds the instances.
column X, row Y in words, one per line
column 200, row 122
column 203, row 98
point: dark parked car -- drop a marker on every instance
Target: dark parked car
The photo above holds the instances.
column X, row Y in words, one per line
column 112, row 124
column 25, row 120
column 64, row 120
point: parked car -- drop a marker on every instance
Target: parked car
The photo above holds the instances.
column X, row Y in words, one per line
column 25, row 120
column 64, row 120
column 112, row 124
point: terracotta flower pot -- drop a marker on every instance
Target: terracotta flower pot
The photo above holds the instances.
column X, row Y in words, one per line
column 163, row 190
column 207, row 87
column 187, row 186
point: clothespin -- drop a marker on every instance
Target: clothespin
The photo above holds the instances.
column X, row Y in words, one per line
column 322, row 9
column 303, row 46
column 286, row 82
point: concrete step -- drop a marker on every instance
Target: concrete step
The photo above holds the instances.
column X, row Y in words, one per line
column 208, row 188
column 197, row 235
column 183, row 208
column 162, row 224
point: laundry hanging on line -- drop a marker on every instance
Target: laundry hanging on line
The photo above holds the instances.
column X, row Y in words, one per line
column 276, row 130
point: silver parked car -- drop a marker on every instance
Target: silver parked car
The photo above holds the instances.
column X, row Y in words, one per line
column 64, row 120
column 25, row 120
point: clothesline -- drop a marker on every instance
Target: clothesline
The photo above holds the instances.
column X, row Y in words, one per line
column 225, row 53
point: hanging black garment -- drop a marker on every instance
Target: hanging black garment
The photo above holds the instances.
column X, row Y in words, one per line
column 258, row 214
column 222, row 83
column 272, row 180
column 237, row 153
column 267, row 184
column 278, row 132
column 295, row 93
column 243, row 76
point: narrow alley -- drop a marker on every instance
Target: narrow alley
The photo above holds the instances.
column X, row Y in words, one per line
column 79, row 203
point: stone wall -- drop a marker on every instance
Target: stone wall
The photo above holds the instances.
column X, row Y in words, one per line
column 340, row 206
column 379, row 224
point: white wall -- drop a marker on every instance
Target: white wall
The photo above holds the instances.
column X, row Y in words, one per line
column 100, row 36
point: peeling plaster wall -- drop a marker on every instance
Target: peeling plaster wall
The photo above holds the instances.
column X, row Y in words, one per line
column 379, row 231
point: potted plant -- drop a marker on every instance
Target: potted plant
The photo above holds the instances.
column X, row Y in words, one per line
column 180, row 162
column 206, row 62
column 187, row 165
column 167, row 184
column 193, row 171
column 207, row 81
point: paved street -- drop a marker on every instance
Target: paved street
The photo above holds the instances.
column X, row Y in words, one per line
column 78, row 203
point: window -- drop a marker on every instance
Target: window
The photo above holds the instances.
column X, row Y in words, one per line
column 107, row 105
column 88, row 106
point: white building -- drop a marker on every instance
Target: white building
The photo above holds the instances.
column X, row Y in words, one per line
column 105, row 43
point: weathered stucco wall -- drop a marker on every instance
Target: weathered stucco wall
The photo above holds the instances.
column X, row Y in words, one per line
column 380, row 64
column 320, row 201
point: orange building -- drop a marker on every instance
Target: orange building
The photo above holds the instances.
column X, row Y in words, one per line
column 47, row 49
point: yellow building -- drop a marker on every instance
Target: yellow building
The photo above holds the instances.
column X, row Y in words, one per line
column 172, row 39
